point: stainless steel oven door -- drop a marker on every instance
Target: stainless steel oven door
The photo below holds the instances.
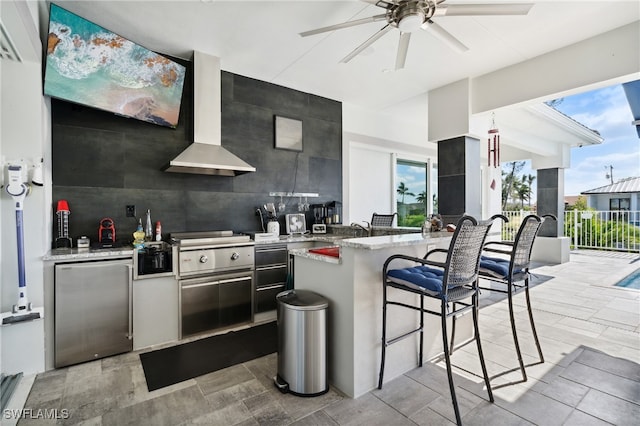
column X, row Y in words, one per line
column 215, row 301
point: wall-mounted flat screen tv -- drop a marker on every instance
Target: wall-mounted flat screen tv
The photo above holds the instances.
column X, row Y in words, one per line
column 89, row 65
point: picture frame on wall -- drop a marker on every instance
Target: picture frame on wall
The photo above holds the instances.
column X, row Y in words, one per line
column 288, row 133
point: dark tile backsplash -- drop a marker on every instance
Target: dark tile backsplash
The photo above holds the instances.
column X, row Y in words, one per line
column 102, row 162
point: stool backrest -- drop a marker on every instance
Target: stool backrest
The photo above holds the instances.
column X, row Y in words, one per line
column 523, row 242
column 382, row 219
column 463, row 257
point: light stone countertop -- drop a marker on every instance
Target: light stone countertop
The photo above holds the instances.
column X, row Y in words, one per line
column 400, row 240
column 297, row 238
column 376, row 243
column 71, row 254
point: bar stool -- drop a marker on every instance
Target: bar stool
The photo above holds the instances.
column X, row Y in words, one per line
column 451, row 282
column 382, row 219
column 512, row 273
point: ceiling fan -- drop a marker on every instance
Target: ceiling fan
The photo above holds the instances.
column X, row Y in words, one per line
column 411, row 15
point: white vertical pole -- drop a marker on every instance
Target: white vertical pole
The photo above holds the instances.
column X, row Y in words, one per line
column 575, row 229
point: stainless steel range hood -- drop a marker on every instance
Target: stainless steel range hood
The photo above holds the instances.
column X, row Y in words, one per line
column 206, row 156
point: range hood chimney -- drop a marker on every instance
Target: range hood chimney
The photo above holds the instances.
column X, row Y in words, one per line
column 206, row 156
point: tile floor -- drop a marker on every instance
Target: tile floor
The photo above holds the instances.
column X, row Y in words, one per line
column 589, row 332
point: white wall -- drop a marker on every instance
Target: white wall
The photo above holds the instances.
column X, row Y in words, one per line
column 23, row 138
column 371, row 180
column 371, row 143
column 1, row 218
column 394, row 124
column 606, row 59
column 601, row 201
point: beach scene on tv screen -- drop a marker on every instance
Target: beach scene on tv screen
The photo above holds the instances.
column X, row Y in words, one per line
column 90, row 65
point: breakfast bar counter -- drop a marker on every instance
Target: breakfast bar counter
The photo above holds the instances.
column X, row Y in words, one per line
column 352, row 283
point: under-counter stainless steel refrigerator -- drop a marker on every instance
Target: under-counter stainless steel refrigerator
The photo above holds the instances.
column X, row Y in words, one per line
column 93, row 303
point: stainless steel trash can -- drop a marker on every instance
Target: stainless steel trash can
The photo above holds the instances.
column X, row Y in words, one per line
column 302, row 343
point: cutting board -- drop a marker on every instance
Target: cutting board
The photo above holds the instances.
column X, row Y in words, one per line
column 326, row 251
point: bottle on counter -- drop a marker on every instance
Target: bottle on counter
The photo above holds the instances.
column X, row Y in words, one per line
column 148, row 230
column 426, row 227
column 158, row 231
column 138, row 237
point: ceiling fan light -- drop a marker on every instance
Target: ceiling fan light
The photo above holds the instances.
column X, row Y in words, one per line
column 411, row 22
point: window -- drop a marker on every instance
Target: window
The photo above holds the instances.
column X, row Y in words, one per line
column 413, row 199
column 619, row 203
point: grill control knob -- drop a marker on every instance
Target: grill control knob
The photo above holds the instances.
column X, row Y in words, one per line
column 235, row 255
column 204, row 259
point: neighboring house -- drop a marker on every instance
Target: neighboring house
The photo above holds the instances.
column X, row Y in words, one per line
column 571, row 200
column 623, row 195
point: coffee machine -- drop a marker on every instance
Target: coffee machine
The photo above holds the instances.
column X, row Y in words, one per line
column 334, row 212
column 107, row 232
column 319, row 212
column 328, row 213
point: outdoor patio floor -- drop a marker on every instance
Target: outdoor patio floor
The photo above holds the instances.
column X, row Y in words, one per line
column 589, row 332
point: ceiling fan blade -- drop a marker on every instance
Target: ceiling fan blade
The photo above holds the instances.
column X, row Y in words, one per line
column 381, row 3
column 403, row 47
column 444, row 35
column 345, row 25
column 483, row 9
column 367, row 43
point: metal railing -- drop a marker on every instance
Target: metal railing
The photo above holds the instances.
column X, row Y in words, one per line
column 616, row 230
column 603, row 229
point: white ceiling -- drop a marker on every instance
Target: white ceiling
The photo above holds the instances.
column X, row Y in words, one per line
column 259, row 39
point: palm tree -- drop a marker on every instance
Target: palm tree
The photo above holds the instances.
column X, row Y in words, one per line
column 509, row 181
column 522, row 191
column 403, row 190
column 528, row 179
column 422, row 197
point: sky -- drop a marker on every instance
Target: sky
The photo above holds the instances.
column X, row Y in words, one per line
column 413, row 179
column 605, row 110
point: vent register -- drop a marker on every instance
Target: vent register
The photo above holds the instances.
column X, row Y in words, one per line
column 8, row 49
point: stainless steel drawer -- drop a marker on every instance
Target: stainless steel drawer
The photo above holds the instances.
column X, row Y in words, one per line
column 271, row 256
column 271, row 275
column 266, row 298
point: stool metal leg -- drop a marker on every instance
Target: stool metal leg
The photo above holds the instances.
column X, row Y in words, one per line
column 421, row 329
column 384, row 334
column 453, row 329
column 513, row 330
column 533, row 326
column 476, row 328
column 445, row 346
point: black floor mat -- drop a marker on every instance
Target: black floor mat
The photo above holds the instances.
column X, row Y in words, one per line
column 172, row 365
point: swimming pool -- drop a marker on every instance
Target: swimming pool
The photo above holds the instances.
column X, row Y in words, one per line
column 630, row 281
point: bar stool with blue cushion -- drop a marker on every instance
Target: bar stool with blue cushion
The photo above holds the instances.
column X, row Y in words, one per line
column 452, row 282
column 510, row 271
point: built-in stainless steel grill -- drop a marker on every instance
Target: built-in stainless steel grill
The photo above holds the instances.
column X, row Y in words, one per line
column 215, row 271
